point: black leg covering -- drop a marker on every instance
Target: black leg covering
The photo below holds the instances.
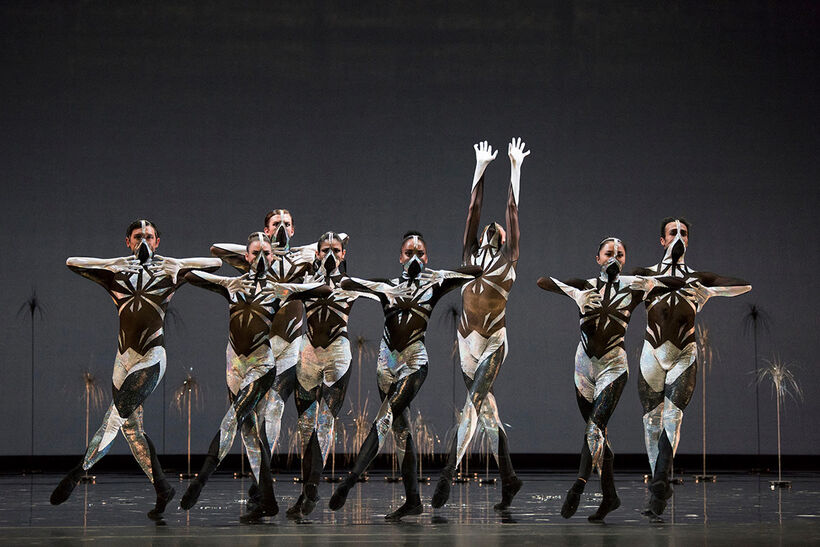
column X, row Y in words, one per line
column 659, row 489
column 165, row 492
column 573, row 497
column 610, row 500
column 311, row 474
column 510, row 483
column 210, row 464
column 66, row 486
column 442, row 492
column 370, row 447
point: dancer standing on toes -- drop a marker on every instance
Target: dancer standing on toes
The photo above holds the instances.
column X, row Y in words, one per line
column 668, row 359
column 482, row 334
column 324, row 369
column 141, row 286
column 289, row 265
column 254, row 299
column 606, row 304
column 402, row 364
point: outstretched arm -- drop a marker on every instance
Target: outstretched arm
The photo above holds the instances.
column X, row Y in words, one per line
column 232, row 253
column 226, row 286
column 176, row 268
column 483, row 156
column 102, row 270
column 516, row 152
column 710, row 279
column 585, row 295
column 448, row 280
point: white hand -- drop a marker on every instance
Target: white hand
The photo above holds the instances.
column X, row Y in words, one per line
column 483, row 156
column 516, row 152
column 125, row 264
column 168, row 266
column 432, row 276
column 645, row 284
column 701, row 293
column 236, row 285
column 588, row 300
column 402, row 290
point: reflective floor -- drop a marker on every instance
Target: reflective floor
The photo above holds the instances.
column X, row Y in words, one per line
column 736, row 507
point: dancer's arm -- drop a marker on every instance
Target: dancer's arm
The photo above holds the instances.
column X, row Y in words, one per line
column 586, row 297
column 516, row 152
column 102, row 270
column 483, row 156
column 226, row 286
column 176, row 268
column 232, row 253
column 447, row 280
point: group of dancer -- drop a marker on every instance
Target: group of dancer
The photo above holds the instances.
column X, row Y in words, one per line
column 288, row 315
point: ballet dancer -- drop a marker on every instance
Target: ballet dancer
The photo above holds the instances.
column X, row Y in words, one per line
column 141, row 286
column 482, row 334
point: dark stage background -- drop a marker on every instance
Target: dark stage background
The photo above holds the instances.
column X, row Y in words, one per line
column 360, row 117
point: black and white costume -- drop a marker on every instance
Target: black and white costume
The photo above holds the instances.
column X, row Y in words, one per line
column 669, row 359
column 142, row 287
column 606, row 304
column 253, row 299
column 401, row 369
column 482, row 334
column 322, row 373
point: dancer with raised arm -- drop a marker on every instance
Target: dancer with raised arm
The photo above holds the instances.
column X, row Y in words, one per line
column 669, row 356
column 254, row 299
column 482, row 333
column 141, row 286
column 605, row 303
column 402, row 364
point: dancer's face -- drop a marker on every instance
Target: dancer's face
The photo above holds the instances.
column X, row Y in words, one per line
column 275, row 221
column 331, row 246
column 609, row 250
column 148, row 233
column 255, row 248
column 413, row 247
column 671, row 230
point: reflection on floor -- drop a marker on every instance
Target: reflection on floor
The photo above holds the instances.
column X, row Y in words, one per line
column 736, row 506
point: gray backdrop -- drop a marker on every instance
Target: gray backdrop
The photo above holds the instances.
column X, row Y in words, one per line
column 203, row 116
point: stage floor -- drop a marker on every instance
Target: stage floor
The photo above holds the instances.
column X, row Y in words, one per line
column 737, row 509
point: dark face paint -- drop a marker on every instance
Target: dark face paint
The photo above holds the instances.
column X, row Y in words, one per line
column 677, row 250
column 612, row 268
column 329, row 263
column 260, row 268
column 281, row 236
column 144, row 253
column 413, row 267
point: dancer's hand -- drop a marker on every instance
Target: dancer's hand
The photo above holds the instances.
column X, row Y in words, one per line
column 236, row 285
column 588, row 300
column 645, row 284
column 402, row 290
column 124, row 264
column 701, row 293
column 484, row 154
column 165, row 265
column 516, row 152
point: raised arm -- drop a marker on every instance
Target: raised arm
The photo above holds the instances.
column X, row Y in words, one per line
column 102, row 270
column 232, row 253
column 516, row 152
column 483, row 156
